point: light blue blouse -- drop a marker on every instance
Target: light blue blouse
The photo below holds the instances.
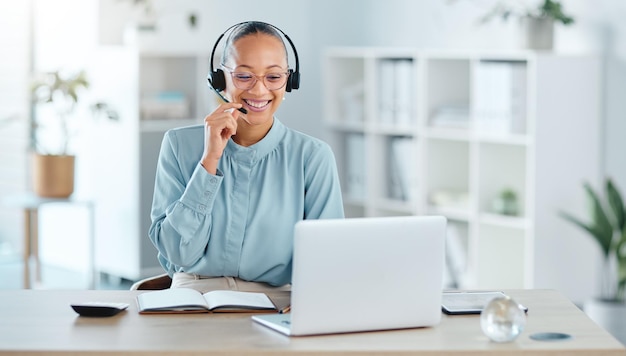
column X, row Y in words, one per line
column 240, row 221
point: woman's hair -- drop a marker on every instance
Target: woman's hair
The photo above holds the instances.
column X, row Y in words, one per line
column 250, row 28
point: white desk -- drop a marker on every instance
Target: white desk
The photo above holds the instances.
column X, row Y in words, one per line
column 30, row 204
column 36, row 322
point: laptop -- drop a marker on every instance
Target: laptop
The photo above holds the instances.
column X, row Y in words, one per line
column 364, row 274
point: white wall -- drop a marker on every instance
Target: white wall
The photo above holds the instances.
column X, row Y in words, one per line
column 601, row 29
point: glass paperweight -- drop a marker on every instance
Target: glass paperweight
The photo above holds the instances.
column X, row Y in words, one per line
column 502, row 319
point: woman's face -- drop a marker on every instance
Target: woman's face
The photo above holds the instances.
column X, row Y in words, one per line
column 260, row 55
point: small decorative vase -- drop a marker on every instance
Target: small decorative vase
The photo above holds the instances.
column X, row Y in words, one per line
column 53, row 175
column 506, row 203
column 538, row 33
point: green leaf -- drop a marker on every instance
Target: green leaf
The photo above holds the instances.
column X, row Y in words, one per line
column 620, row 252
column 617, row 205
column 597, row 234
column 599, row 227
column 554, row 9
column 599, row 219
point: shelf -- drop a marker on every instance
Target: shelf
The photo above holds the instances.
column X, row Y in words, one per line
column 505, row 139
column 467, row 135
column 454, row 213
column 447, row 134
column 353, row 201
column 513, row 222
column 173, row 53
column 349, row 127
column 399, row 206
column 394, row 130
column 166, row 124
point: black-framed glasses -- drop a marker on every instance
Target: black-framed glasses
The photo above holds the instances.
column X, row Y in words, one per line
column 247, row 80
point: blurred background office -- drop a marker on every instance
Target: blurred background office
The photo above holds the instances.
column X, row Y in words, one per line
column 147, row 60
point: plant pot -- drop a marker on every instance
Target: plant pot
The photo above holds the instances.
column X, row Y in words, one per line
column 610, row 315
column 53, row 175
column 505, row 206
column 538, row 33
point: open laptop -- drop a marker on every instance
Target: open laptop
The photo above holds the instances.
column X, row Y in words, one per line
column 364, row 274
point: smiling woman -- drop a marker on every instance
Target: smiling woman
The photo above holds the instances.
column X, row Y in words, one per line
column 228, row 193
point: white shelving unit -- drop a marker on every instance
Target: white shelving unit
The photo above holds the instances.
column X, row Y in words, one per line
column 476, row 124
column 123, row 210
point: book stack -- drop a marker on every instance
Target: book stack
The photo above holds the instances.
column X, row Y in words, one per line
column 355, row 172
column 451, row 118
column 402, row 172
column 352, row 101
column 500, row 101
column 164, row 105
column 396, row 78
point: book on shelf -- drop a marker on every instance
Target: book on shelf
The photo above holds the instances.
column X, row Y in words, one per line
column 450, row 117
column 395, row 184
column 352, row 101
column 355, row 172
column 396, row 84
column 405, row 93
column 402, row 172
column 386, row 96
column 500, row 103
column 164, row 105
column 187, row 300
column 448, row 198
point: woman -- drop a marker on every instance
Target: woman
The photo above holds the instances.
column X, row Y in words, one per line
column 227, row 194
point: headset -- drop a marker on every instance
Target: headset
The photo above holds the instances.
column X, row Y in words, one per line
column 217, row 79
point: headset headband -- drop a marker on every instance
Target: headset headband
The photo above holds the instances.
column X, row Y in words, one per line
column 295, row 74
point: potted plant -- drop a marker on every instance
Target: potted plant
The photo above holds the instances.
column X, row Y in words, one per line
column 506, row 203
column 53, row 164
column 607, row 226
column 538, row 22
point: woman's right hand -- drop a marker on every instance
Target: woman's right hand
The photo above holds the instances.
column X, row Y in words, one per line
column 219, row 126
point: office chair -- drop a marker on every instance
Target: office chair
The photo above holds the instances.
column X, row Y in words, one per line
column 162, row 281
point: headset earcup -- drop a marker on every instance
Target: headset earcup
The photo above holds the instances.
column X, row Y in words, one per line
column 294, row 80
column 218, row 80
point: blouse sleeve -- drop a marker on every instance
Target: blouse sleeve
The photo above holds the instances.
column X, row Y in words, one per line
column 181, row 211
column 322, row 198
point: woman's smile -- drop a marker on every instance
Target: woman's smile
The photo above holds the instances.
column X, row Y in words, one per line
column 256, row 105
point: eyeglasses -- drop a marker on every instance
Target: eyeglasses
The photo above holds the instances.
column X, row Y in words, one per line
column 247, row 80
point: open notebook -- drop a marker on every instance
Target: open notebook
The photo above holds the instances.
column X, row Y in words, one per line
column 364, row 274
